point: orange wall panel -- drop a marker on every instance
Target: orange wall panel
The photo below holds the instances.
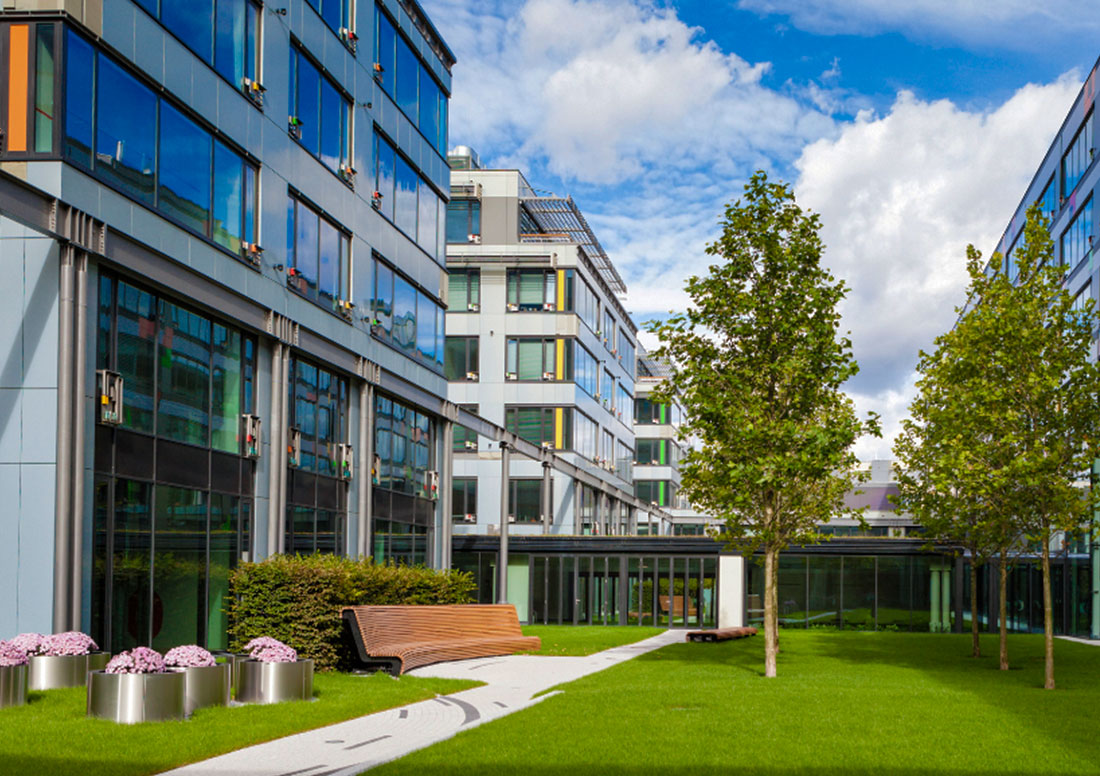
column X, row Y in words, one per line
column 18, row 83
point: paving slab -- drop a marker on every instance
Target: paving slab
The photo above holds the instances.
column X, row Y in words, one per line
column 351, row 747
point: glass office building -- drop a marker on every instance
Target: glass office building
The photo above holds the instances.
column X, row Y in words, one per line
column 225, row 225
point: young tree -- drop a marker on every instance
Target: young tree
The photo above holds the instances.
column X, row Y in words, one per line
column 759, row 365
column 1007, row 420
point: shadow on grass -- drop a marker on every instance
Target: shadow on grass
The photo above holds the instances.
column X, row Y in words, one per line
column 604, row 769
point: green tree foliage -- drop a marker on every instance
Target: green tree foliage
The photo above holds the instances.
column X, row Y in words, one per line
column 1006, row 425
column 759, row 365
column 297, row 599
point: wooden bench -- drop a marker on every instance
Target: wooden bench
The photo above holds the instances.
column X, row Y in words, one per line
column 720, row 634
column 677, row 603
column 400, row 638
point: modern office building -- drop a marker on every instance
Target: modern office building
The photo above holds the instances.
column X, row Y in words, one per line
column 222, row 227
column 537, row 342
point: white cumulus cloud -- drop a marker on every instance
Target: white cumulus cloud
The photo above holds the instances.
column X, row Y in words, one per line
column 900, row 196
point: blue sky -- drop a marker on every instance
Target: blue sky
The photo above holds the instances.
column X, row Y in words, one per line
column 912, row 128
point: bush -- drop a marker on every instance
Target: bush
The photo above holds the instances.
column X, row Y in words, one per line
column 297, row 599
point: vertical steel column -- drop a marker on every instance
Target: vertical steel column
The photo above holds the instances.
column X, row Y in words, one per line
column 79, row 390
column 276, row 422
column 367, row 468
column 502, row 559
column 547, row 501
column 284, row 435
column 446, row 485
column 362, row 492
column 62, row 561
column 578, row 508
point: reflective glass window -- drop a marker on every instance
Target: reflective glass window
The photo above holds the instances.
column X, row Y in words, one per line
column 385, row 159
column 1078, row 237
column 180, row 544
column 405, row 200
column 404, row 315
column 333, row 120
column 193, row 23
column 464, row 291
column 426, row 220
column 229, row 219
column 408, row 76
column 183, row 388
column 307, row 95
column 462, row 359
column 383, row 300
column 136, row 355
column 226, row 383
column 79, row 93
column 463, row 220
column 307, row 226
column 126, row 131
column 330, row 287
column 1078, row 158
column 231, row 42
column 385, row 42
column 425, row 328
column 429, row 107
column 43, row 88
column 184, row 181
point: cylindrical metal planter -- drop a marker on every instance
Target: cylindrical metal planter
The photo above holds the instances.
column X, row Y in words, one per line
column 233, row 659
column 13, row 686
column 274, row 682
column 131, row 698
column 51, row 672
column 206, row 686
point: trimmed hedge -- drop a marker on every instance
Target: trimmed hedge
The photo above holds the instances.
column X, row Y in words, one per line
column 297, row 599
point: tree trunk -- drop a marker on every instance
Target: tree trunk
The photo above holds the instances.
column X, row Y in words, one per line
column 775, row 604
column 1048, row 613
column 977, row 651
column 771, row 561
column 1001, row 613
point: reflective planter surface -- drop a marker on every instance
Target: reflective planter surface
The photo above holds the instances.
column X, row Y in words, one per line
column 13, row 686
column 131, row 698
column 50, row 672
column 274, row 682
column 206, row 686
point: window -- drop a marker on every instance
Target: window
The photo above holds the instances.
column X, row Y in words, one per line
column 607, row 446
column 525, row 501
column 651, row 452
column 581, row 299
column 623, row 401
column 646, row 411
column 1048, row 200
column 464, row 291
column 404, row 443
column 550, row 427
column 187, row 377
column 624, row 461
column 465, row 440
column 317, row 255
column 586, row 370
column 1077, row 159
column 320, row 114
column 659, row 492
column 1082, row 298
column 608, row 331
column 585, row 439
column 531, row 289
column 336, row 13
column 536, row 359
column 223, row 33
column 464, row 499
column 407, row 317
column 409, row 201
column 30, row 57
column 202, row 183
column 409, row 82
column 462, row 362
column 464, row 221
column 607, row 389
column 1077, row 239
column 626, row 352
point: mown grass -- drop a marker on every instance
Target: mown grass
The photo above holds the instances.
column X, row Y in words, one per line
column 51, row 735
column 584, row 639
column 844, row 703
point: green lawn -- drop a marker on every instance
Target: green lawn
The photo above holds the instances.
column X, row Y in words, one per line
column 844, row 703
column 585, row 639
column 51, row 735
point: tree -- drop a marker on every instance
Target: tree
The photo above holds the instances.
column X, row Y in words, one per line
column 758, row 367
column 1007, row 425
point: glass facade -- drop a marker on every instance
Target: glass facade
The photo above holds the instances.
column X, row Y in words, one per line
column 318, row 256
column 405, row 451
column 320, row 113
column 408, row 200
column 1078, row 237
column 406, row 317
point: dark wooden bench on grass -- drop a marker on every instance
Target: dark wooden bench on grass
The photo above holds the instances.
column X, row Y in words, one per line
column 399, row 638
column 720, row 634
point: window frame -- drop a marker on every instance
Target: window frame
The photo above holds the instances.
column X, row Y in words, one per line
column 378, row 330
column 470, row 348
column 344, row 171
column 340, row 304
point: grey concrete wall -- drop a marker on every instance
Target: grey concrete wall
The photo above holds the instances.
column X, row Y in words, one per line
column 28, row 426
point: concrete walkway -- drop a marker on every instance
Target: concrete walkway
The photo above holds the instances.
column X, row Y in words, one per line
column 1079, row 640
column 348, row 748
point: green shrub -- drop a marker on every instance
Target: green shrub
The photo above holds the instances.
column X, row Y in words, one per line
column 297, row 599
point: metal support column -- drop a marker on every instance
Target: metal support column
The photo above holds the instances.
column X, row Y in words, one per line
column 284, row 436
column 502, row 559
column 63, row 515
column 365, row 500
column 578, row 507
column 547, row 501
column 276, row 436
column 80, row 384
column 446, row 497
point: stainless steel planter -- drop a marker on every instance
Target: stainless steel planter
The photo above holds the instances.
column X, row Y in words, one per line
column 206, row 686
column 50, row 672
column 233, row 660
column 130, row 698
column 13, row 686
column 274, row 682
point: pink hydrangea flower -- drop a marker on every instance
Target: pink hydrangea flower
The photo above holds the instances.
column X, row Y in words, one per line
column 31, row 643
column 260, row 642
column 68, row 643
column 11, row 654
column 139, row 660
column 275, row 654
column 188, row 656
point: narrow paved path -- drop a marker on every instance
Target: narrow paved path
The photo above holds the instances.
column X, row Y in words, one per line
column 351, row 747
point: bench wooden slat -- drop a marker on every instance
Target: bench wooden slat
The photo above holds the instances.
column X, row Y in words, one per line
column 720, row 634
column 406, row 637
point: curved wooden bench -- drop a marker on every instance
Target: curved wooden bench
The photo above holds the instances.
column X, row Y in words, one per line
column 720, row 634
column 400, row 638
